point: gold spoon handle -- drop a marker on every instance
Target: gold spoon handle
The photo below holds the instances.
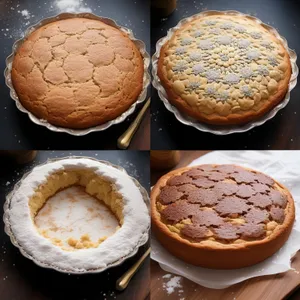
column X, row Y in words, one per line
column 123, row 281
column 125, row 139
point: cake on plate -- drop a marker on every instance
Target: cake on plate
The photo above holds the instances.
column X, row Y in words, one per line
column 93, row 181
column 77, row 73
column 221, row 216
column 224, row 69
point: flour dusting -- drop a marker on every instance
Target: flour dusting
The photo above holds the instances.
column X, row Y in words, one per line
column 172, row 284
column 72, row 6
column 25, row 13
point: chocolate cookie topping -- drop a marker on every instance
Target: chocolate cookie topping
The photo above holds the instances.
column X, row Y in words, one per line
column 176, row 212
column 169, row 194
column 256, row 215
column 221, row 202
column 226, row 232
column 207, row 217
column 231, row 205
column 204, row 197
column 277, row 214
column 196, row 233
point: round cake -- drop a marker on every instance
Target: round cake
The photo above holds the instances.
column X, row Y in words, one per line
column 221, row 216
column 77, row 73
column 224, row 69
column 90, row 178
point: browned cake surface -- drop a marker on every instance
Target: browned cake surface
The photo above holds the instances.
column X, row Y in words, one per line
column 77, row 73
column 223, row 69
column 221, row 207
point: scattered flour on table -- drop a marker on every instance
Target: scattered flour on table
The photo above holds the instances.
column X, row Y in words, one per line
column 129, row 167
column 172, row 284
column 72, row 6
column 25, row 13
column 28, row 18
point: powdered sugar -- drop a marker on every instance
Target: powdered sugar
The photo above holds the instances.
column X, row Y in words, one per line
column 121, row 244
column 25, row 13
column 72, row 6
column 72, row 213
column 173, row 284
column 28, row 18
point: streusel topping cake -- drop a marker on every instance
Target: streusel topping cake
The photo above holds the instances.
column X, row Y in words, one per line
column 220, row 207
column 224, row 69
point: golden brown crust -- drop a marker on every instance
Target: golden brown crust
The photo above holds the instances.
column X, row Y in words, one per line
column 77, row 73
column 206, row 108
column 219, row 255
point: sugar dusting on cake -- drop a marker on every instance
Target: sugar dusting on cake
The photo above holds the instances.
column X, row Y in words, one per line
column 20, row 221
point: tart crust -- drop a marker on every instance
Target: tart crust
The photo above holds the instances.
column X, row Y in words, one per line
column 217, row 254
column 77, row 73
column 200, row 96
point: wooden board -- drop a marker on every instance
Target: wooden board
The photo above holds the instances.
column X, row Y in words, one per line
column 271, row 287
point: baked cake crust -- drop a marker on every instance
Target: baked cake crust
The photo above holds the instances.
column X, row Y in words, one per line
column 224, row 70
column 219, row 236
column 77, row 73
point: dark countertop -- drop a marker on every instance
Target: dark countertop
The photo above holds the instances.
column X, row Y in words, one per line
column 16, row 130
column 282, row 132
column 21, row 279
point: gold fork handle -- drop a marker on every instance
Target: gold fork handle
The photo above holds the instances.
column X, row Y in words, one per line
column 123, row 281
column 125, row 139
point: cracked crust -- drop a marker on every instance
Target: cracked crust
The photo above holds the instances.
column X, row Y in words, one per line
column 77, row 73
column 224, row 81
column 232, row 230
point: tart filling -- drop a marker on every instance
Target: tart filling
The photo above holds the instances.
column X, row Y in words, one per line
column 48, row 210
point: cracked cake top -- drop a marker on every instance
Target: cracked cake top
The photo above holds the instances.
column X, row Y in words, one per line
column 77, row 73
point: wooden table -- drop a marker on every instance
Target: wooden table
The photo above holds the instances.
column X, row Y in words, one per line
column 21, row 279
column 17, row 131
column 273, row 287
